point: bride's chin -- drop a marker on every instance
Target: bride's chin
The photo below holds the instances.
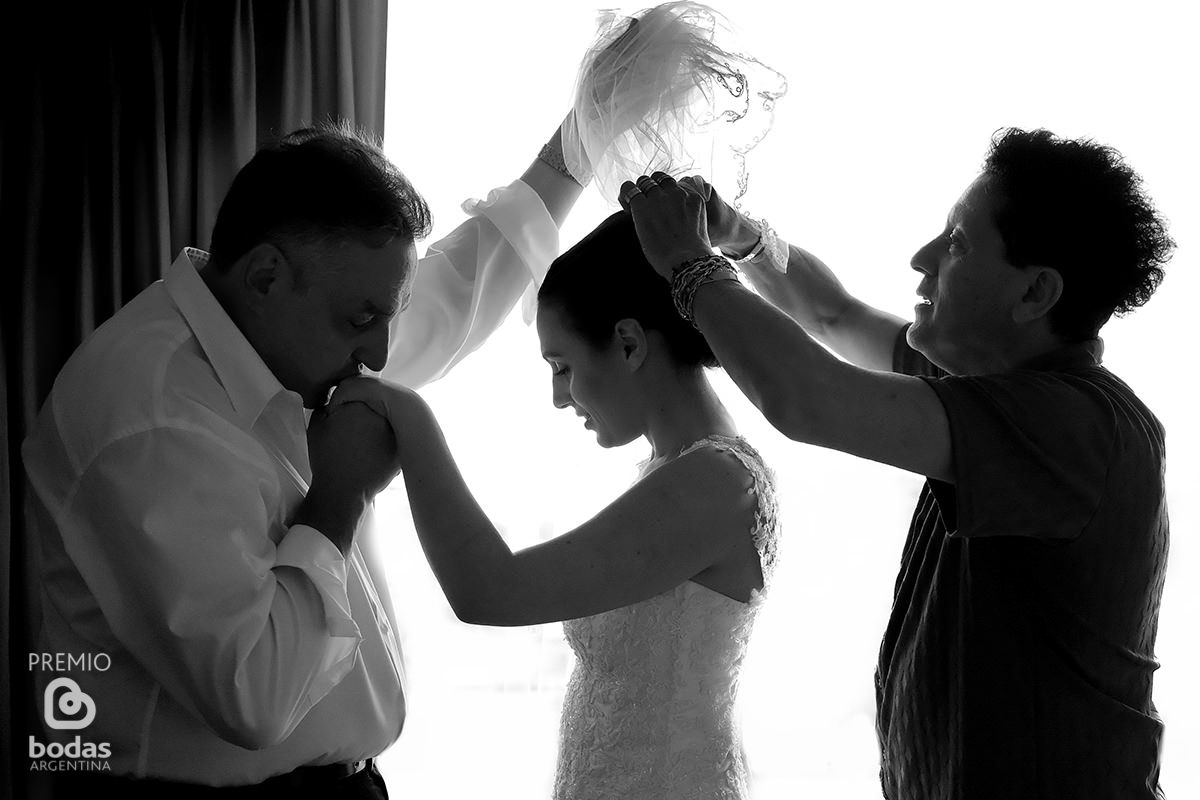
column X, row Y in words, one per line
column 608, row 442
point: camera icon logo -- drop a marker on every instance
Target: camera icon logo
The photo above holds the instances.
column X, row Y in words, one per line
column 69, row 703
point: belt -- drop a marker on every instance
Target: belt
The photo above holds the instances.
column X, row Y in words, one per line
column 308, row 777
column 301, row 782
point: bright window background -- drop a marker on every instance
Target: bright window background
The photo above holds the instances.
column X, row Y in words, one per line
column 888, row 118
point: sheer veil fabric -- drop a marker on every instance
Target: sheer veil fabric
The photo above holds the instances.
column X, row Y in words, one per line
column 666, row 90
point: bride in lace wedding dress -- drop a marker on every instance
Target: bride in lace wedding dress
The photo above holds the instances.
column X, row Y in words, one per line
column 660, row 590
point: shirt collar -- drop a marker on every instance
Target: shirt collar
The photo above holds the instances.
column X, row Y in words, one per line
column 1077, row 355
column 246, row 378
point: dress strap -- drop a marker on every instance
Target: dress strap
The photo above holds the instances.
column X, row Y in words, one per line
column 766, row 517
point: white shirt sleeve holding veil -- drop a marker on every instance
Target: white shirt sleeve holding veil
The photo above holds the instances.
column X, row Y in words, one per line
column 468, row 282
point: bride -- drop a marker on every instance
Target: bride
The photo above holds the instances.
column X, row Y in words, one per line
column 660, row 590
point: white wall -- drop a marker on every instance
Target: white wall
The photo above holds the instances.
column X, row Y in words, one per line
column 888, row 118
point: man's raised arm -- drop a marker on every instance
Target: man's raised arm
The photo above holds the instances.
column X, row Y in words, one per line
column 469, row 280
column 802, row 390
column 808, row 292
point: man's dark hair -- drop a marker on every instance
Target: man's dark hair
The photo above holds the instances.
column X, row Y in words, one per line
column 606, row 278
column 1077, row 207
column 324, row 184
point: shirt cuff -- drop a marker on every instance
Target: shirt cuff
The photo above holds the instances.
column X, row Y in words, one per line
column 311, row 552
column 521, row 217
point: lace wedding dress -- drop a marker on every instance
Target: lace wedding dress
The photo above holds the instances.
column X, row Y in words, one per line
column 650, row 707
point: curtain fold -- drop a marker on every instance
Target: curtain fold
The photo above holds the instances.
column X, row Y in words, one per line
column 123, row 125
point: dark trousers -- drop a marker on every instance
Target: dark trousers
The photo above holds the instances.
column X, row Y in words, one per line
column 366, row 784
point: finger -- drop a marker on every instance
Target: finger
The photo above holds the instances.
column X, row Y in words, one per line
column 697, row 184
column 353, row 388
column 664, row 180
column 374, row 406
column 647, row 183
column 629, row 190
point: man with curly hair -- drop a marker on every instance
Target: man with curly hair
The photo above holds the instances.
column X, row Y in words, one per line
column 1019, row 656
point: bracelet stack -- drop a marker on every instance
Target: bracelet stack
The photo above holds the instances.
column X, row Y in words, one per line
column 694, row 273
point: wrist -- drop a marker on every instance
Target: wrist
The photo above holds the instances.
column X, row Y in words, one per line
column 554, row 155
column 694, row 274
column 741, row 240
column 409, row 415
column 334, row 513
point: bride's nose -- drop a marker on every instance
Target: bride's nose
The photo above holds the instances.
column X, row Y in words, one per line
column 560, row 394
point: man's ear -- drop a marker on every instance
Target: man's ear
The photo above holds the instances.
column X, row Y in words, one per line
column 1044, row 287
column 631, row 337
column 266, row 270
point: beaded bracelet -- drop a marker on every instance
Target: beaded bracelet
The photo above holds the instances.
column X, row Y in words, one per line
column 694, row 273
column 551, row 155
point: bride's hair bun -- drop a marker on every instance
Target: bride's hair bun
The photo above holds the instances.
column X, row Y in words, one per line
column 605, row 278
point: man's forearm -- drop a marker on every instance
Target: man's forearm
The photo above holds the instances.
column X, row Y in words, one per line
column 809, row 292
column 783, row 371
column 814, row 297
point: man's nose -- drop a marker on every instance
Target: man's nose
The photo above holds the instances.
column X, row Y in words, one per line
column 372, row 353
column 925, row 259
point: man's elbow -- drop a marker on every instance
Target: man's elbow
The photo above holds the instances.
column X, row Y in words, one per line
column 255, row 726
column 786, row 415
column 468, row 611
column 254, row 734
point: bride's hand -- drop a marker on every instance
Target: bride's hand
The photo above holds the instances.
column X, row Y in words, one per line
column 351, row 451
column 399, row 405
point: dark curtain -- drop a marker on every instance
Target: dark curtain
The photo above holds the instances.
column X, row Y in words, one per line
column 123, row 124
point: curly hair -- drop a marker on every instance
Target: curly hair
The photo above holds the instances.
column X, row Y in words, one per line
column 324, row 184
column 1077, row 207
column 605, row 278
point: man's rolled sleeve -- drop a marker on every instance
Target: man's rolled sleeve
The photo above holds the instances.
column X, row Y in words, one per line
column 311, row 552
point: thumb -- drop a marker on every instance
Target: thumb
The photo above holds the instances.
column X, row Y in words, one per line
column 696, row 184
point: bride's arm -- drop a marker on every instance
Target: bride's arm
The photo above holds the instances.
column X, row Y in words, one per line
column 681, row 519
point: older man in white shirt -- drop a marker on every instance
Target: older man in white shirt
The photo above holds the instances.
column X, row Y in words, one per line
column 189, row 537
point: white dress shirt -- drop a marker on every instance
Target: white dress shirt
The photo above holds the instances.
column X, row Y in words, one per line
column 166, row 466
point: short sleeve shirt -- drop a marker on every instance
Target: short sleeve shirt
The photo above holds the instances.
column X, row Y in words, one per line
column 1018, row 659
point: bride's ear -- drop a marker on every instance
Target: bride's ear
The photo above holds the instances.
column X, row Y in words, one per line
column 631, row 337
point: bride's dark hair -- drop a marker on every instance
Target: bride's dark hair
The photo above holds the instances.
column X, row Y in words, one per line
column 605, row 278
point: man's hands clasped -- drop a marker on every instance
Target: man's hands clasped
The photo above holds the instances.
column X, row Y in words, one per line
column 354, row 453
column 351, row 446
